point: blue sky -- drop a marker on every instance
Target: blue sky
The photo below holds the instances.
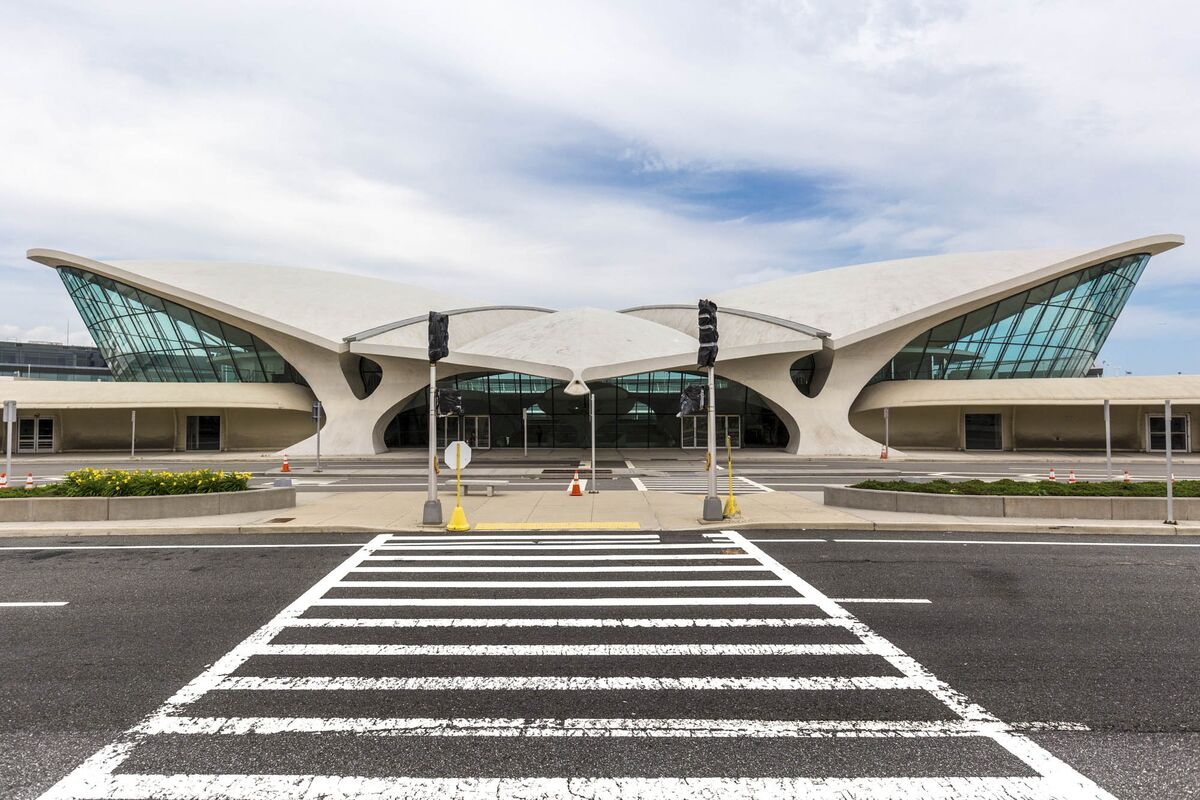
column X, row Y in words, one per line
column 608, row 154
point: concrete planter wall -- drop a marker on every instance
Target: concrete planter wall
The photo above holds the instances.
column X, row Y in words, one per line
column 83, row 509
column 1153, row 508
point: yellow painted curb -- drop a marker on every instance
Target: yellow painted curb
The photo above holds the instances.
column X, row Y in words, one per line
column 558, row 526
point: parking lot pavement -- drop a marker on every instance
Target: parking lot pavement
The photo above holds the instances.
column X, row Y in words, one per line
column 615, row 665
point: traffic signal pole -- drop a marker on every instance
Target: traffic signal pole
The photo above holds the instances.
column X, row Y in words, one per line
column 713, row 508
column 432, row 514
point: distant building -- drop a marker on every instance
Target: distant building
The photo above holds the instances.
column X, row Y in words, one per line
column 52, row 361
column 967, row 351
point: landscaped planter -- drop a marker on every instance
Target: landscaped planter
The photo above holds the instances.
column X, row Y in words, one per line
column 83, row 509
column 1151, row 508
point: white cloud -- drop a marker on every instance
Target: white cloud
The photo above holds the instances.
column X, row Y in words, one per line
column 413, row 140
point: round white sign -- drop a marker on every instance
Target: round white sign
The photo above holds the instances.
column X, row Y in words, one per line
column 462, row 450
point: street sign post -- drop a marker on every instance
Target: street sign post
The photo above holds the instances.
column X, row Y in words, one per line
column 438, row 331
column 458, row 455
column 132, row 432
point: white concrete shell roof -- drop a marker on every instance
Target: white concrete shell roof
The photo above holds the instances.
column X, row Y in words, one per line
column 857, row 302
column 313, row 305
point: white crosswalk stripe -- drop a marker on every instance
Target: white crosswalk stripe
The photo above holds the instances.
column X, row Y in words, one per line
column 698, row 484
column 498, row 681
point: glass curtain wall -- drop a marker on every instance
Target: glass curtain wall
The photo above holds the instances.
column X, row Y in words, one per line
column 1054, row 330
column 147, row 338
column 631, row 411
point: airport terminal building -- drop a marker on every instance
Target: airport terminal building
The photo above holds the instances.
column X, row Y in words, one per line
column 976, row 351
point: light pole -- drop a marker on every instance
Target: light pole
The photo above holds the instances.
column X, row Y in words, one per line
column 706, row 328
column 1170, row 520
column 10, row 416
column 1107, row 441
column 316, row 415
column 525, row 429
column 132, row 432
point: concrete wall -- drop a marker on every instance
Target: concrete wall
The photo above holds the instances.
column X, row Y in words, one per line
column 1148, row 508
column 75, row 509
column 1024, row 427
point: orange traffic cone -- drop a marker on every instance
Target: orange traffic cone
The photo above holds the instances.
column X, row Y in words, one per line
column 28, row 480
column 1052, row 478
column 285, row 467
column 3, row 480
column 883, row 454
column 575, row 490
column 1126, row 478
column 1071, row 476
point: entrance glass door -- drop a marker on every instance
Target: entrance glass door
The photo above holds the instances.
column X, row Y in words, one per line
column 203, row 432
column 983, row 432
column 1180, row 433
column 35, row 435
column 693, row 431
column 474, row 429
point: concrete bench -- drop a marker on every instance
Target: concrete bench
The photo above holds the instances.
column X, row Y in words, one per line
column 488, row 485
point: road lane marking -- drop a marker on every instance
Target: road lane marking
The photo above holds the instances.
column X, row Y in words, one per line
column 573, row 537
column 542, row 568
column 563, row 622
column 566, row 601
column 917, row 600
column 558, row 526
column 554, row 584
column 560, row 683
column 541, row 546
column 32, row 603
column 338, row 787
column 584, row 727
column 759, row 486
column 637, row 484
column 603, row 557
column 173, row 546
column 786, row 540
column 564, row 650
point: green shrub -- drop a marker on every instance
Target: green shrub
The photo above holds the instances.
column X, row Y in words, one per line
column 1041, row 488
column 89, row 482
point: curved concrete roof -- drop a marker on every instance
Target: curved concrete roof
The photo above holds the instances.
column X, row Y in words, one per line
column 580, row 345
column 315, row 305
column 860, row 301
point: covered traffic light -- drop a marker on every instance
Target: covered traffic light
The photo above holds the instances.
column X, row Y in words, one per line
column 439, row 336
column 449, row 403
column 707, row 327
column 691, row 400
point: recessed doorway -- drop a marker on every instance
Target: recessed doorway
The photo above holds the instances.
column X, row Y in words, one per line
column 982, row 432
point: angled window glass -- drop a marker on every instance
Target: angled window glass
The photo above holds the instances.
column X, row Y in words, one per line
column 148, row 338
column 1054, row 330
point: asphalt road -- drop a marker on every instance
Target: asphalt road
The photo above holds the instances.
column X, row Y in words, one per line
column 1084, row 650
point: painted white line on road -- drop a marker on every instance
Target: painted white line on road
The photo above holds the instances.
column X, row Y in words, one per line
column 568, row 683
column 535, row 537
column 32, row 603
column 616, row 544
column 552, row 622
column 336, row 787
column 786, row 540
column 1009, row 542
column 536, row 568
column 563, row 650
column 637, row 484
column 570, row 728
column 629, row 557
column 553, row 584
column 1056, row 772
column 564, row 601
column 758, row 486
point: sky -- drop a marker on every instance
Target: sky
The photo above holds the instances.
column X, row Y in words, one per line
column 601, row 154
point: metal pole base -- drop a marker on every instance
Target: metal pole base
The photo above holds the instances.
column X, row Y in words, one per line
column 714, row 509
column 432, row 513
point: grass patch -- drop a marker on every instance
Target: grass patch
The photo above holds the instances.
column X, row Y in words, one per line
column 88, row 482
column 1011, row 488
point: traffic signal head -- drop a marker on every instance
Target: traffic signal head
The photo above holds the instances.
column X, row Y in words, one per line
column 439, row 336
column 691, row 400
column 707, row 333
column 449, row 403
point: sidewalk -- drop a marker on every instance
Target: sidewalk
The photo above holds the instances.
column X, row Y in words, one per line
column 362, row 512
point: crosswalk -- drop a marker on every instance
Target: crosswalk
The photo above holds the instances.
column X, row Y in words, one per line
column 591, row 665
column 697, row 484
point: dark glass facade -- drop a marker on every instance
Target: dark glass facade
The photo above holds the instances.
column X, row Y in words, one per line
column 631, row 411
column 1054, row 330
column 47, row 361
column 147, row 338
column 803, row 372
